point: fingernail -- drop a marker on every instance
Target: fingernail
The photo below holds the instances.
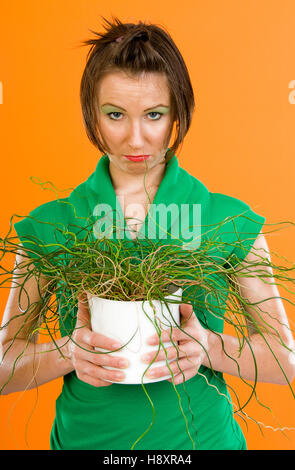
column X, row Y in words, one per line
column 124, row 363
column 145, row 358
column 116, row 345
column 120, row 375
column 151, row 374
column 153, row 340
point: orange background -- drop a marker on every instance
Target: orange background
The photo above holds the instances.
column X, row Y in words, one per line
column 240, row 56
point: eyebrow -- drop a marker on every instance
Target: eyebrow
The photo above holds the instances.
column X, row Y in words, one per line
column 119, row 107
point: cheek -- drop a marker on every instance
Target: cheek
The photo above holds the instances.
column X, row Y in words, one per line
column 160, row 133
column 108, row 131
column 166, row 134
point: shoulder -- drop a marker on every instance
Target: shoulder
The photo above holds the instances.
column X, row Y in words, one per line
column 191, row 189
column 225, row 205
column 52, row 209
column 234, row 220
column 45, row 217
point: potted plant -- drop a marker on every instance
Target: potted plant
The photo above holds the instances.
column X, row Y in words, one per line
column 150, row 279
column 132, row 323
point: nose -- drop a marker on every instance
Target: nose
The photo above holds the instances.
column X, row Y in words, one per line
column 136, row 136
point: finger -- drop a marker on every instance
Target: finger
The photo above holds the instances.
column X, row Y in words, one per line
column 174, row 368
column 91, row 339
column 180, row 378
column 187, row 314
column 97, row 340
column 98, row 372
column 82, row 297
column 172, row 353
column 171, row 335
column 83, row 314
column 105, row 359
column 96, row 382
column 84, row 333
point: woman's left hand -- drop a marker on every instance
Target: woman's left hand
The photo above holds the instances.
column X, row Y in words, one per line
column 186, row 357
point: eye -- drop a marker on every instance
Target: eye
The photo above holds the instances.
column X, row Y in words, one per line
column 114, row 112
column 156, row 112
column 118, row 112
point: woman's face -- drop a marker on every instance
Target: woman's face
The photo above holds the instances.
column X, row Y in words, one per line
column 135, row 118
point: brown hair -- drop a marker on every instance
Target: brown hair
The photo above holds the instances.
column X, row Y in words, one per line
column 136, row 48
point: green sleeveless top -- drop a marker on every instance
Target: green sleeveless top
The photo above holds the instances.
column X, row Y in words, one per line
column 114, row 417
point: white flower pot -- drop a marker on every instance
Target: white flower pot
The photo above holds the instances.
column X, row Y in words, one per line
column 133, row 322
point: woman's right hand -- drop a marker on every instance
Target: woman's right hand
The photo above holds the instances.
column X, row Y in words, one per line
column 89, row 366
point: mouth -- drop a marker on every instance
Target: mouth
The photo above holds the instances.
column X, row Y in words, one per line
column 137, row 158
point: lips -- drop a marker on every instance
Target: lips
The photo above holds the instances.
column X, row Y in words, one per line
column 137, row 158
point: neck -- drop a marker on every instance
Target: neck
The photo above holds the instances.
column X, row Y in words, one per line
column 127, row 183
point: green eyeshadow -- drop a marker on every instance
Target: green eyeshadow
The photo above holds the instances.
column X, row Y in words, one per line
column 112, row 109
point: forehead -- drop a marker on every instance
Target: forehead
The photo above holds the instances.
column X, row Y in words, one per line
column 145, row 85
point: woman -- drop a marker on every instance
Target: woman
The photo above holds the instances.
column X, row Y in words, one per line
column 134, row 88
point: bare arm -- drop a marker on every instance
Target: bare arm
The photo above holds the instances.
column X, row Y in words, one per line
column 274, row 350
column 24, row 363
column 273, row 353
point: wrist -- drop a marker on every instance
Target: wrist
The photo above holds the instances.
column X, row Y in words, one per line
column 65, row 355
column 211, row 350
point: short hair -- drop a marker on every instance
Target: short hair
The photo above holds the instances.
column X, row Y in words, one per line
column 135, row 49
